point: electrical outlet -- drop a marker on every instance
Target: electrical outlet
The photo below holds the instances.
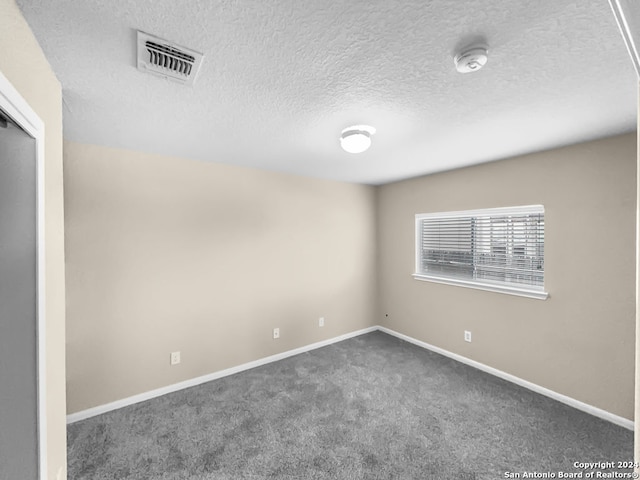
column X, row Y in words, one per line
column 276, row 333
column 175, row 358
column 467, row 336
column 321, row 322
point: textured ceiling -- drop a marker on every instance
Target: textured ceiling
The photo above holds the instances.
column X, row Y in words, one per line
column 281, row 79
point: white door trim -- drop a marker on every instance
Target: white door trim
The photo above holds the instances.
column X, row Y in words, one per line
column 12, row 103
column 622, row 13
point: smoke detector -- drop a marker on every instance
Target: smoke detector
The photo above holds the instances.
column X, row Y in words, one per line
column 168, row 60
column 471, row 60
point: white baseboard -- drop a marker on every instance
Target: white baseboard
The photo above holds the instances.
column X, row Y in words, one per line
column 595, row 411
column 100, row 409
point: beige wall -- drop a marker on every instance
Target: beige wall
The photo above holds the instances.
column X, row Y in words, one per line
column 23, row 63
column 167, row 254
column 580, row 341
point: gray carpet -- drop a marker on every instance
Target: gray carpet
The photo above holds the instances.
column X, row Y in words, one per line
column 372, row 407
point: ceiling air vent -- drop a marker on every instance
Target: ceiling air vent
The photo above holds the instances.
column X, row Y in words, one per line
column 168, row 60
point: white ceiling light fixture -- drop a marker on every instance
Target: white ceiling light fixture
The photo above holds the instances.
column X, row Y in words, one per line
column 356, row 139
column 471, row 59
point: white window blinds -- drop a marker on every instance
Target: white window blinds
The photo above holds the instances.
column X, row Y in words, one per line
column 499, row 249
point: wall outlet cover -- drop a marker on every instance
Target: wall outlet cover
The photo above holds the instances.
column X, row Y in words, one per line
column 175, row 358
column 276, row 333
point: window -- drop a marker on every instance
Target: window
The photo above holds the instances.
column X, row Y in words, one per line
column 497, row 249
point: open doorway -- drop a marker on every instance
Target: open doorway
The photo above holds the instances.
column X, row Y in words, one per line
column 23, row 420
column 18, row 303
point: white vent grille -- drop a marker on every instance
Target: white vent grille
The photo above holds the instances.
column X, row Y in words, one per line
column 168, row 60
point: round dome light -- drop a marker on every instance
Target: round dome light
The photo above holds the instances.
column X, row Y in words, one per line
column 356, row 139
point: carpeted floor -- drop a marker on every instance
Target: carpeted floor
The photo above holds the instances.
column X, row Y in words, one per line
column 372, row 407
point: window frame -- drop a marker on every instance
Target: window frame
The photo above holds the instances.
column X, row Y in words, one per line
column 524, row 290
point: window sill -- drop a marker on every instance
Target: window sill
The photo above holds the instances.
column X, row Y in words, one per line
column 491, row 287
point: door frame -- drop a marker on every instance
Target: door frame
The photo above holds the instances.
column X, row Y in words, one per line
column 622, row 11
column 12, row 104
column 626, row 15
